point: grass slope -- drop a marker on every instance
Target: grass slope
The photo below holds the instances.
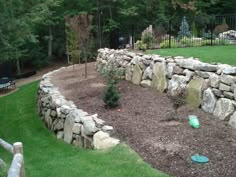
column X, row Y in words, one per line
column 45, row 156
column 221, row 54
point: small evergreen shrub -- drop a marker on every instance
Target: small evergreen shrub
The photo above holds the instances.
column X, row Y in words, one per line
column 113, row 75
column 111, row 95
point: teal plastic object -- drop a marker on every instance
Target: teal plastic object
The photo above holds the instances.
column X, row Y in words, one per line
column 193, row 121
column 199, row 159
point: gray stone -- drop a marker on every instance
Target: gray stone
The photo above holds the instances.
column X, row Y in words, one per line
column 147, row 73
column 189, row 74
column 232, row 121
column 99, row 122
column 136, row 60
column 107, row 128
column 202, row 74
column 78, row 141
column 159, row 80
column 137, row 75
column 177, row 84
column 127, row 58
column 102, row 140
column 206, row 84
column 194, row 92
column 233, row 86
column 69, row 123
column 53, row 113
column 147, row 57
column 209, row 67
column 224, row 109
column 215, row 80
column 88, row 143
column 65, row 109
column 227, row 79
column 179, row 57
column 131, row 54
column 146, row 83
column 169, row 60
column 170, row 69
column 60, row 135
column 76, row 128
column 58, row 124
column 208, row 101
column 224, row 87
column 229, row 95
column 177, row 70
column 157, row 58
column 217, row 92
column 48, row 119
column 89, row 127
column 146, row 62
column 196, row 65
column 142, row 65
column 229, row 70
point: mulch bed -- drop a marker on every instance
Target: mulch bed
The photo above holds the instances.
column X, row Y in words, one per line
column 145, row 123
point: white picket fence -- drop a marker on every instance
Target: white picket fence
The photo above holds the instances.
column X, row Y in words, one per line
column 17, row 165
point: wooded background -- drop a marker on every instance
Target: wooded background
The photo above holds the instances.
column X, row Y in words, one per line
column 32, row 32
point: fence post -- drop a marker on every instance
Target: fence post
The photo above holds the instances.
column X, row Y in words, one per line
column 18, row 148
column 169, row 33
column 212, row 22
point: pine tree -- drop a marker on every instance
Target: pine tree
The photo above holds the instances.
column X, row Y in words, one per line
column 184, row 29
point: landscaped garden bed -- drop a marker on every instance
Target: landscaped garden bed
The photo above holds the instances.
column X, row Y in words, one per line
column 149, row 123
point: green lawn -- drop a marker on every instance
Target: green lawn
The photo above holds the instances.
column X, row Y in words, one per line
column 221, row 54
column 45, row 156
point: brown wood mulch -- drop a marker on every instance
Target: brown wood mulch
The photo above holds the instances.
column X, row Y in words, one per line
column 144, row 123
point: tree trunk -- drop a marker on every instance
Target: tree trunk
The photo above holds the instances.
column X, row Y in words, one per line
column 50, row 42
column 18, row 66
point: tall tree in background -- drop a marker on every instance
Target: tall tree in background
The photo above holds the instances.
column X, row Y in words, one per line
column 17, row 20
column 80, row 26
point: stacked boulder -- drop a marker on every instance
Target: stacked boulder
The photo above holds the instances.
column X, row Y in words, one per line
column 209, row 86
column 69, row 123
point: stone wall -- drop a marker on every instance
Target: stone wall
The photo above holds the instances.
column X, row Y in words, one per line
column 212, row 87
column 70, row 123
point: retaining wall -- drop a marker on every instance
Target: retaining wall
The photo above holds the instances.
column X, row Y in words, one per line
column 69, row 123
column 212, row 87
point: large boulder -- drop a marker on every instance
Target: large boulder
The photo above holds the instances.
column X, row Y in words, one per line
column 208, row 101
column 128, row 73
column 147, row 73
column 137, row 75
column 227, row 79
column 224, row 108
column 159, row 80
column 196, row 65
column 194, row 92
column 68, row 134
column 89, row 127
column 102, row 140
column 177, row 84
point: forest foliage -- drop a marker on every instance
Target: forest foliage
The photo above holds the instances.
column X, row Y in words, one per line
column 35, row 31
